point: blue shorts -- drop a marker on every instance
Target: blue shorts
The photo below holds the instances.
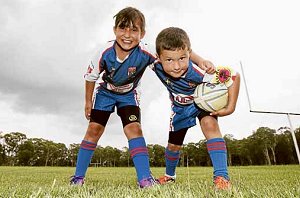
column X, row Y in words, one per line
column 107, row 101
column 185, row 116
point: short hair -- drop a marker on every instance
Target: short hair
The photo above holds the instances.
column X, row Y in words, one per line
column 172, row 38
column 127, row 16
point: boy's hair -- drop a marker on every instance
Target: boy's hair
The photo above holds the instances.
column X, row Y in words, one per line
column 128, row 16
column 172, row 38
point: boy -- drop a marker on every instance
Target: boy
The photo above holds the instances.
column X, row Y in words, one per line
column 181, row 77
column 123, row 62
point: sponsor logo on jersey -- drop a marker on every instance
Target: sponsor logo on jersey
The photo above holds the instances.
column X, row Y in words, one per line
column 183, row 99
column 132, row 118
column 131, row 71
column 120, row 89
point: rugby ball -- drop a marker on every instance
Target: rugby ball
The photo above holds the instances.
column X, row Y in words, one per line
column 211, row 97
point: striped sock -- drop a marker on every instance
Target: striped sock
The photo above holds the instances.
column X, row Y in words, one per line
column 140, row 157
column 85, row 155
column 218, row 154
column 172, row 159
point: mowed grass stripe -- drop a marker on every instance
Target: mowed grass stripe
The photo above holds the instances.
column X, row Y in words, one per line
column 247, row 181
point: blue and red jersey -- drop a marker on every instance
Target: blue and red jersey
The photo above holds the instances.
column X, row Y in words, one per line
column 119, row 76
column 181, row 89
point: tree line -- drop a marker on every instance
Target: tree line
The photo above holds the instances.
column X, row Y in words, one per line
column 265, row 146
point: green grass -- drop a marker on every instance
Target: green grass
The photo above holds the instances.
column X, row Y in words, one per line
column 249, row 181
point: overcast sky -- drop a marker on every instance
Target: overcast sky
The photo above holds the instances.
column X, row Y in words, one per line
column 45, row 47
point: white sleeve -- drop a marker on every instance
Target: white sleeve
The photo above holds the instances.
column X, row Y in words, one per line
column 93, row 70
column 198, row 69
column 150, row 49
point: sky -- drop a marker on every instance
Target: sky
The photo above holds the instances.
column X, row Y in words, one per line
column 46, row 45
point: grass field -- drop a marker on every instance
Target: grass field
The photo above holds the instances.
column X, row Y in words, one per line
column 250, row 181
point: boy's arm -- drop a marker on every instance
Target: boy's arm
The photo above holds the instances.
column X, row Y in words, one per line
column 233, row 93
column 205, row 65
column 89, row 91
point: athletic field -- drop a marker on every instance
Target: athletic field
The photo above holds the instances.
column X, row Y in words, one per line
column 248, row 181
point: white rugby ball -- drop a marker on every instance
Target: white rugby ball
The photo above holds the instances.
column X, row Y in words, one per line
column 211, row 97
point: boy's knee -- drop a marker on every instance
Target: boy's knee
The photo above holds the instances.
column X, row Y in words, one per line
column 173, row 147
column 209, row 123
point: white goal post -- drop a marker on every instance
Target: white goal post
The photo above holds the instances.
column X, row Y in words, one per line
column 273, row 112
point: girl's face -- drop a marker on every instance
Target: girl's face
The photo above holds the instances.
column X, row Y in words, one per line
column 175, row 63
column 129, row 37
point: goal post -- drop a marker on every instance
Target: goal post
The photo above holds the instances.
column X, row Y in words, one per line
column 273, row 112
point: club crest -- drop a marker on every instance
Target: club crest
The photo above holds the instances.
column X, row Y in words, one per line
column 131, row 71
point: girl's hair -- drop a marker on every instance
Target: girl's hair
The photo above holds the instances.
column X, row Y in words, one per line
column 128, row 16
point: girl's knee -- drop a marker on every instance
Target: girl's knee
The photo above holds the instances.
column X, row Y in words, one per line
column 94, row 130
column 133, row 130
column 134, row 127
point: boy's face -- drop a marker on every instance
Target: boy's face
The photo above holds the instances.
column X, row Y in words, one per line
column 129, row 37
column 175, row 63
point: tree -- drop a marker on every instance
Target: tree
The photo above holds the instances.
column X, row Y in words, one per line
column 297, row 134
column 158, row 155
column 2, row 155
column 116, row 156
column 231, row 148
column 72, row 153
column 284, row 148
column 59, row 154
column 2, row 149
column 12, row 142
column 99, row 156
column 26, row 153
column 264, row 139
column 125, row 157
column 48, row 153
column 183, row 161
column 192, row 154
column 108, row 156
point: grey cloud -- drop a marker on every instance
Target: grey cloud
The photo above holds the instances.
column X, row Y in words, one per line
column 45, row 45
column 44, row 52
